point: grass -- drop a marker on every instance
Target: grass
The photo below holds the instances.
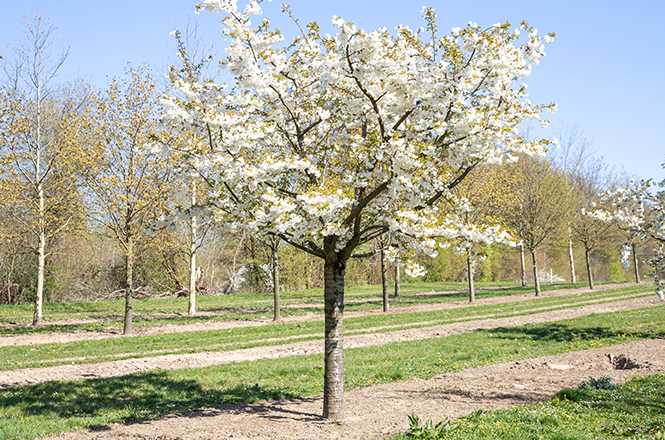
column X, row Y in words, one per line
column 47, row 408
column 634, row 409
column 91, row 351
column 108, row 314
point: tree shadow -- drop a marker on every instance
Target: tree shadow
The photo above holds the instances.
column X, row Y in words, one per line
column 131, row 399
column 564, row 332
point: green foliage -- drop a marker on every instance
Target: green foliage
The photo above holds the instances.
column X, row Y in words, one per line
column 446, row 266
column 602, row 383
column 428, row 431
column 614, row 269
column 26, row 277
column 484, row 269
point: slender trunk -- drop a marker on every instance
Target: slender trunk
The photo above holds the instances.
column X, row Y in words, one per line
column 384, row 282
column 523, row 265
column 41, row 214
column 573, row 278
column 333, row 382
column 275, row 281
column 129, row 286
column 588, row 268
column 39, row 300
column 397, row 280
column 535, row 272
column 636, row 264
column 469, row 269
column 191, row 309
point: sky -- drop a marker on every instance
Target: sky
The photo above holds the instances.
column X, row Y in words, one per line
column 605, row 69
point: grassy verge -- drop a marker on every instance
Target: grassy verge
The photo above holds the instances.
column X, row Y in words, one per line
column 634, row 409
column 26, row 412
column 101, row 350
column 165, row 311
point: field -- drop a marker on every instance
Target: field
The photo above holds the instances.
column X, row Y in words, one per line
column 232, row 372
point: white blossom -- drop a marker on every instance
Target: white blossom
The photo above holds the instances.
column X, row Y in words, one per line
column 338, row 139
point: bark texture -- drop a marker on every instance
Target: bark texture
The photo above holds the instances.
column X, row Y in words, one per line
column 573, row 277
column 469, row 268
column 588, row 267
column 384, row 282
column 333, row 382
column 536, row 281
column 129, row 287
column 523, row 265
column 275, row 282
column 397, row 279
column 193, row 229
column 636, row 265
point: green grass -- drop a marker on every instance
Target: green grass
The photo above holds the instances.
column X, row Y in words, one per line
column 29, row 411
column 90, row 351
column 634, row 409
column 240, row 306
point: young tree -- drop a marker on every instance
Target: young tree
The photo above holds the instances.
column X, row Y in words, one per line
column 126, row 182
column 38, row 158
column 330, row 142
column 482, row 195
column 641, row 214
column 572, row 155
column 539, row 205
column 588, row 230
column 188, row 225
column 190, row 65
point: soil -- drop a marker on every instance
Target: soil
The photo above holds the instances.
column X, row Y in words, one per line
column 372, row 412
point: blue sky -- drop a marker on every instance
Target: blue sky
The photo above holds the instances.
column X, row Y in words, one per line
column 605, row 69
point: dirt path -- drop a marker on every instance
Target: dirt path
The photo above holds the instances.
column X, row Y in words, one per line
column 197, row 360
column 112, row 332
column 381, row 410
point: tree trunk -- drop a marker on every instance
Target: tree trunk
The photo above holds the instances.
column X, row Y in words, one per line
column 588, row 268
column 384, row 282
column 41, row 214
column 573, row 278
column 397, row 280
column 523, row 265
column 333, row 382
column 39, row 300
column 275, row 280
column 191, row 308
column 469, row 269
column 535, row 272
column 129, row 286
column 636, row 264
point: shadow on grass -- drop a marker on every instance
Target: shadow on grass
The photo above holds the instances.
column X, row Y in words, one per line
column 134, row 398
column 565, row 332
